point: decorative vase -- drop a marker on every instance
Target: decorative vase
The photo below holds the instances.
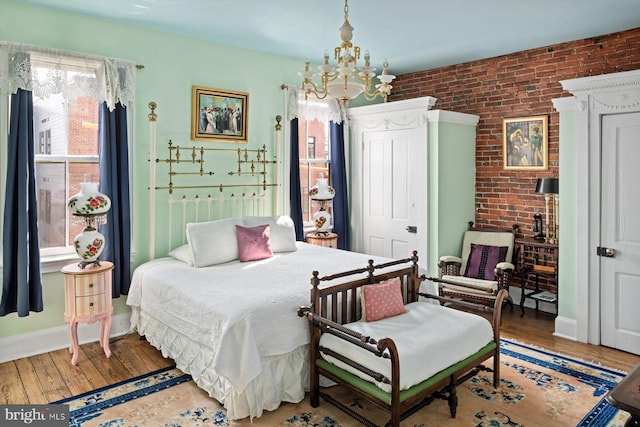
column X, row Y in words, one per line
column 89, row 201
column 89, row 245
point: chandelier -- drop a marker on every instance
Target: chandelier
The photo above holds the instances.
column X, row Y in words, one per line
column 347, row 80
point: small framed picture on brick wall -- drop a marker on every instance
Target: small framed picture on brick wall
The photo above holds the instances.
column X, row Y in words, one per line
column 526, row 146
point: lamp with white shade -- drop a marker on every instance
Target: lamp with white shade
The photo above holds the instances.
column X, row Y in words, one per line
column 90, row 207
column 322, row 192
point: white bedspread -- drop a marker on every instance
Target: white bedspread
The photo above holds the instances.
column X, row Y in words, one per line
column 241, row 311
column 429, row 338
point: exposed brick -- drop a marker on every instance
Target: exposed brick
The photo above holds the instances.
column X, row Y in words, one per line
column 517, row 85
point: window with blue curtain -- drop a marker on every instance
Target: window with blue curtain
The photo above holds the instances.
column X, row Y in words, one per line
column 317, row 151
column 57, row 97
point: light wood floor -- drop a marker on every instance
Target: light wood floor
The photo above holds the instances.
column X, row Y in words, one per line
column 50, row 376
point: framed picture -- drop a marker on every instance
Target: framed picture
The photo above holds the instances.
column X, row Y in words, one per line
column 219, row 115
column 526, row 144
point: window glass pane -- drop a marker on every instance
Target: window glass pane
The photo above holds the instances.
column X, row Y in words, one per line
column 314, row 161
column 49, row 125
column 83, row 127
column 52, row 204
column 78, row 173
column 66, row 139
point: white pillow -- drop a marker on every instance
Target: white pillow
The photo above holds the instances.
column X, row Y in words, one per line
column 182, row 253
column 213, row 242
column 283, row 232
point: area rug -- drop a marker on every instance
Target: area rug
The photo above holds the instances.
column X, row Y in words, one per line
column 538, row 388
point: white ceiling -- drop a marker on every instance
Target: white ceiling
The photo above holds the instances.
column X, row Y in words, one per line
column 414, row 35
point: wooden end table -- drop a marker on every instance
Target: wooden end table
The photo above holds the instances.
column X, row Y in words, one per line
column 88, row 300
column 329, row 240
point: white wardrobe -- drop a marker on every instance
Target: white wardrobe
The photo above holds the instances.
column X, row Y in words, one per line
column 412, row 179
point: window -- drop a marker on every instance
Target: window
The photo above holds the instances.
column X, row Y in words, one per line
column 67, row 154
column 69, row 91
column 65, row 129
column 315, row 161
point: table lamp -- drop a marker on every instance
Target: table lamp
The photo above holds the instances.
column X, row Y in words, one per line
column 90, row 207
column 322, row 192
column 549, row 186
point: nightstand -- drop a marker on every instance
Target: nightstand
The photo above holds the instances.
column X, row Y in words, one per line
column 330, row 240
column 87, row 300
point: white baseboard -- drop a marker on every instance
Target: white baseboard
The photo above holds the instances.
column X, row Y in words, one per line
column 46, row 340
column 566, row 328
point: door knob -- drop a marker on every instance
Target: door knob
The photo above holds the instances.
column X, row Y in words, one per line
column 606, row 252
column 411, row 228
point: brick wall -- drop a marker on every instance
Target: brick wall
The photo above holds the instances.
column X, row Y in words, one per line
column 517, row 85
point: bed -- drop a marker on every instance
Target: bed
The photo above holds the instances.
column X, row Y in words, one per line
column 395, row 345
column 232, row 325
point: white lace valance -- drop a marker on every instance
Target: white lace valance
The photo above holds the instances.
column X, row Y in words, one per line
column 312, row 108
column 46, row 71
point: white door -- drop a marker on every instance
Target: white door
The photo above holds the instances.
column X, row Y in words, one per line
column 620, row 231
column 391, row 226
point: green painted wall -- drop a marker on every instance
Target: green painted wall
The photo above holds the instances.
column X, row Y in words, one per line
column 568, row 216
column 173, row 64
column 452, row 176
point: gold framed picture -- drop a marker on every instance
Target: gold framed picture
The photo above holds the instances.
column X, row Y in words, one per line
column 525, row 143
column 219, row 115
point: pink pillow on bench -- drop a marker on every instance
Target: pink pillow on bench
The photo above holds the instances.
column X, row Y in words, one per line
column 253, row 242
column 382, row 300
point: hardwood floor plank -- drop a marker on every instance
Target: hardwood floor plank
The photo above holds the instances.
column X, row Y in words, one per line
column 90, row 371
column 137, row 355
column 73, row 376
column 112, row 369
column 11, row 389
column 151, row 352
column 30, row 381
column 52, row 383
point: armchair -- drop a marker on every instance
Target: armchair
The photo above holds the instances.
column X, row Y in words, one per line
column 484, row 267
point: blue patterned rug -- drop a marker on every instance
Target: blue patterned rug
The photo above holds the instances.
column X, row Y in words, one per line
column 538, row 388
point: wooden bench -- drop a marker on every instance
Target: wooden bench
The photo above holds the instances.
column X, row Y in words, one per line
column 337, row 303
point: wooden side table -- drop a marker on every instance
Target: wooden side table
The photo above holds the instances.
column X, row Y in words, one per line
column 329, row 240
column 537, row 260
column 87, row 300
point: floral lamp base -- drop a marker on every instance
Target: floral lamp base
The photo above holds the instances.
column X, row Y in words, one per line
column 89, row 245
column 322, row 221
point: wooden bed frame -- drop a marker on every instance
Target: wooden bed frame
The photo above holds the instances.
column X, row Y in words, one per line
column 337, row 303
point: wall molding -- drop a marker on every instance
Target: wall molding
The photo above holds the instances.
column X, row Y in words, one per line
column 46, row 340
column 566, row 328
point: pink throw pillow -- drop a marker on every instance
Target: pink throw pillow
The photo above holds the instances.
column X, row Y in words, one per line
column 382, row 300
column 253, row 242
